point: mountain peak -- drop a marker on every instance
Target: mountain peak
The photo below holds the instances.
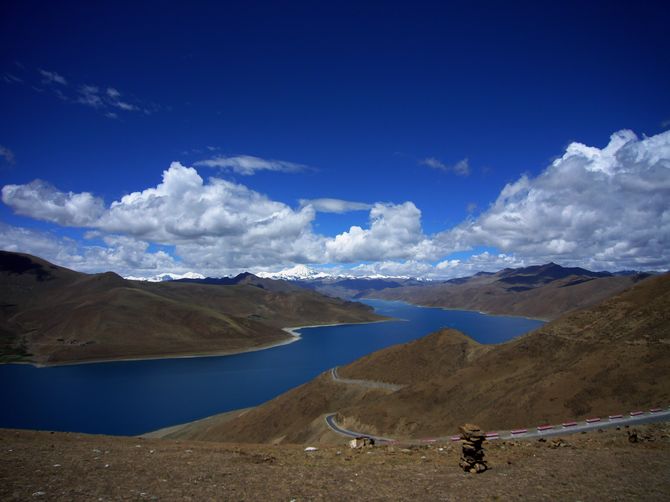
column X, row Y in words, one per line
column 295, row 273
column 166, row 276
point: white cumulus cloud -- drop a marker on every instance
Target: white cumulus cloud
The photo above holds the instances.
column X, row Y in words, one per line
column 120, row 254
column 596, row 207
column 221, row 223
column 600, row 208
column 184, row 207
column 395, row 232
column 42, row 201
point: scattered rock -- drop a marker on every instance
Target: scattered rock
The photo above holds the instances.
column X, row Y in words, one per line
column 634, row 436
column 361, row 442
column 264, row 459
column 558, row 443
column 311, row 448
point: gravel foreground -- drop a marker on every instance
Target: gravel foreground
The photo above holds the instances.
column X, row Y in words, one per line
column 594, row 466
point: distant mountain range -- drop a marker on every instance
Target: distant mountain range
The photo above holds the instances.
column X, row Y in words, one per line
column 540, row 291
column 166, row 277
column 610, row 358
column 50, row 314
column 296, row 273
column 303, row 273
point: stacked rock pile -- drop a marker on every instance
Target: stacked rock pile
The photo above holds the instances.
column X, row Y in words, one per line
column 472, row 438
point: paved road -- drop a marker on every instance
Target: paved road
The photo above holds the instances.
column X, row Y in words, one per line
column 364, row 383
column 572, row 427
column 330, row 421
column 534, row 432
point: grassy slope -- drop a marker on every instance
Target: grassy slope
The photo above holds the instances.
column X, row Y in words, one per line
column 606, row 359
column 601, row 360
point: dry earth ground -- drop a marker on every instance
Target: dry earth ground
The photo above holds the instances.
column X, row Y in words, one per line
column 595, row 466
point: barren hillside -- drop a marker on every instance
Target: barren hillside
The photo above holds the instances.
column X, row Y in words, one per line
column 50, row 314
column 610, row 358
column 544, row 292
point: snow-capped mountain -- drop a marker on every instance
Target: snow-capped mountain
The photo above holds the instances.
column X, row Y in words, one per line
column 166, row 277
column 296, row 273
column 305, row 273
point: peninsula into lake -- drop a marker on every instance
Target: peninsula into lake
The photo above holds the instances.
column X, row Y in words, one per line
column 54, row 315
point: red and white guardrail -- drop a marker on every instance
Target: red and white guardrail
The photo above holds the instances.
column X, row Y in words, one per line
column 565, row 425
column 493, row 435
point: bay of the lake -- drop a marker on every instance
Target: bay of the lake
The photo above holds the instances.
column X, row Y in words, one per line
column 133, row 397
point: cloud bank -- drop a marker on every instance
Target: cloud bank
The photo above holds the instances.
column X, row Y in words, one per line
column 605, row 208
column 602, row 208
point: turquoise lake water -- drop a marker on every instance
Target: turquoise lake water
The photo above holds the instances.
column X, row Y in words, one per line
column 133, row 397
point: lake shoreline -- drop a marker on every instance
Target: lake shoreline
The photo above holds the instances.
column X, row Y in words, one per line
column 174, row 430
column 137, row 398
column 292, row 331
column 483, row 312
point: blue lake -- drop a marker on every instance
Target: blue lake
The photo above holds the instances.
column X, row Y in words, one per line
column 132, row 397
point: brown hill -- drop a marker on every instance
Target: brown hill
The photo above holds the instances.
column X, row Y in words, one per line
column 607, row 359
column 50, row 314
column 543, row 291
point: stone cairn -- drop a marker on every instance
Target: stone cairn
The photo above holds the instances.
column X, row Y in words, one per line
column 472, row 438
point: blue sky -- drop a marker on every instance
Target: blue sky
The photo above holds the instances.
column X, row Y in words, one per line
column 451, row 137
